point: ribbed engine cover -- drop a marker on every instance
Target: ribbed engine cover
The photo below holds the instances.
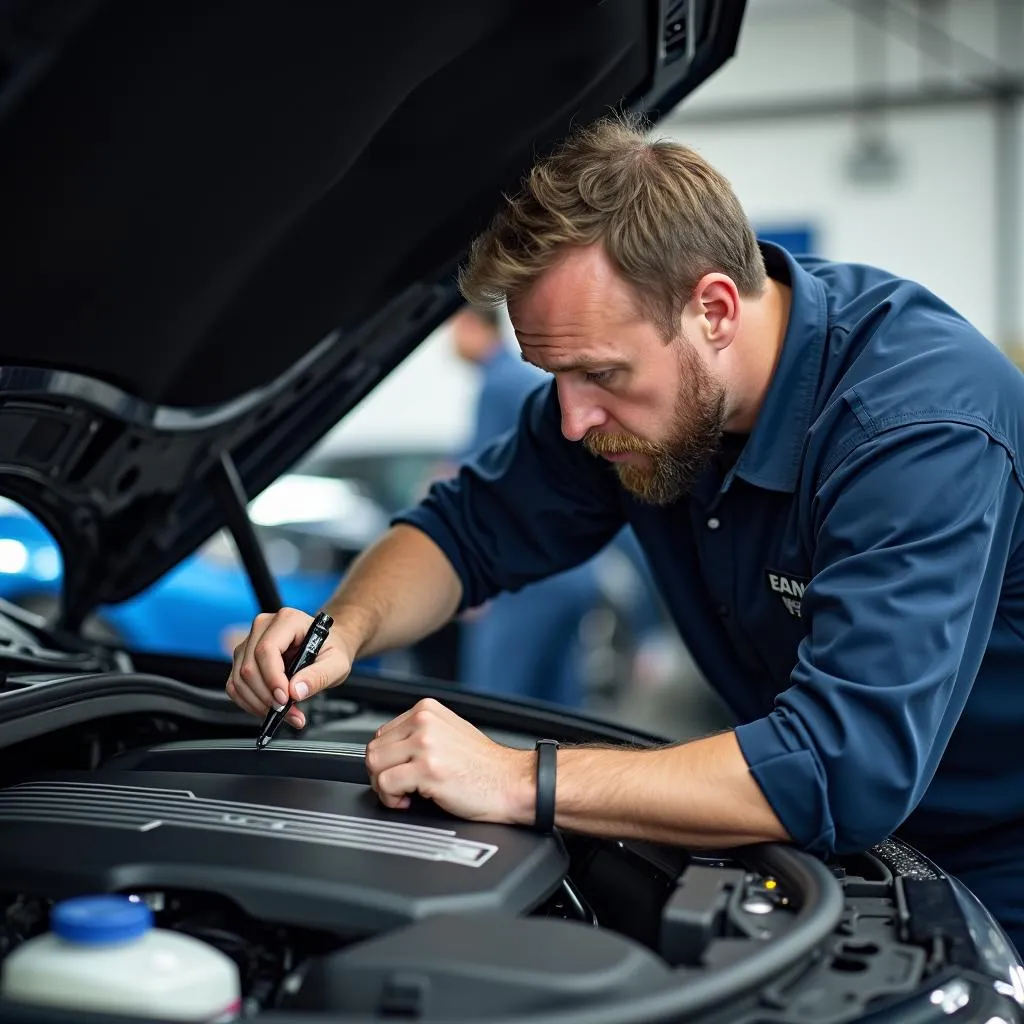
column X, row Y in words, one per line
column 298, row 851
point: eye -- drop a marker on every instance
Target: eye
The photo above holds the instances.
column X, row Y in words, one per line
column 599, row 376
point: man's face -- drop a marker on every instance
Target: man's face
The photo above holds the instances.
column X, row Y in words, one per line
column 653, row 408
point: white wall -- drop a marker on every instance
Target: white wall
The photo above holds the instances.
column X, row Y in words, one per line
column 936, row 221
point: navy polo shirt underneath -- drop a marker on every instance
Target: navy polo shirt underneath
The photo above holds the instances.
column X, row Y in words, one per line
column 850, row 578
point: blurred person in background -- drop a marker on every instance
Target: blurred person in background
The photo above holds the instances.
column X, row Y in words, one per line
column 527, row 643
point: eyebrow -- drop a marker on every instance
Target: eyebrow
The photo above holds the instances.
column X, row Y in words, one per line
column 579, row 364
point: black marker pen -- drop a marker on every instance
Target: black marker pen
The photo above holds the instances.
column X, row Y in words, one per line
column 315, row 638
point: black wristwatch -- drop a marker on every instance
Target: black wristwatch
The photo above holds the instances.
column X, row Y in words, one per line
column 547, row 764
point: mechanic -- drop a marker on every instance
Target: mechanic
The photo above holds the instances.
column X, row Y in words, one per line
column 820, row 460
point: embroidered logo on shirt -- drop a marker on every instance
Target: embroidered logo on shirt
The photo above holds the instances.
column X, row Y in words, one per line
column 790, row 589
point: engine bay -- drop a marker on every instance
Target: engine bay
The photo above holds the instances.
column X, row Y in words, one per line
column 327, row 902
column 285, row 850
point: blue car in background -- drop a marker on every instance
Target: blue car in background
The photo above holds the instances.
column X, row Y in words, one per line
column 310, row 527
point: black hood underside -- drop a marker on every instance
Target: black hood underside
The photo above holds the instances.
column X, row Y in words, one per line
column 225, row 221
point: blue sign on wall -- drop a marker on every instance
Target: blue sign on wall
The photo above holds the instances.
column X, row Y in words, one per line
column 799, row 239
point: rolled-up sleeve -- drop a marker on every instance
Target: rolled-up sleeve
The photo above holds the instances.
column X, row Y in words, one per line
column 530, row 505
column 912, row 534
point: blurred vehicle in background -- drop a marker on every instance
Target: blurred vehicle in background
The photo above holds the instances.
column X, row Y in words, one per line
column 310, row 528
column 311, row 523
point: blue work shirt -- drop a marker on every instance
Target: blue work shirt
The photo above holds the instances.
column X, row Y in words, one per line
column 851, row 580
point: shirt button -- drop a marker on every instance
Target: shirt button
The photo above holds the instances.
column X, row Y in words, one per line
column 713, row 524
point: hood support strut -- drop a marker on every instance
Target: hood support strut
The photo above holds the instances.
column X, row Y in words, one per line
column 230, row 496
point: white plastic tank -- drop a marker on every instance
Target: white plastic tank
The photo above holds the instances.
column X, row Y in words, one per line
column 104, row 954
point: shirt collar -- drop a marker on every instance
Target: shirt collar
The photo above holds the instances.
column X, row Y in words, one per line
column 771, row 457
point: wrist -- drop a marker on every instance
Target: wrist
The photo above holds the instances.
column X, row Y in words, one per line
column 353, row 630
column 522, row 791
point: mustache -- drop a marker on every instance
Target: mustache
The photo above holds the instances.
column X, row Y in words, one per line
column 619, row 444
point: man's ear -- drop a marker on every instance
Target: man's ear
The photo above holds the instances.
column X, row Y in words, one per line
column 716, row 303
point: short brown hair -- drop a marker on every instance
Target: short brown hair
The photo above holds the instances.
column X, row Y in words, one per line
column 664, row 216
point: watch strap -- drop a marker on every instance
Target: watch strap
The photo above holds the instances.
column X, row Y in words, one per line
column 547, row 764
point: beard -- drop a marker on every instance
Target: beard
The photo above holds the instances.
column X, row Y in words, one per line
column 671, row 467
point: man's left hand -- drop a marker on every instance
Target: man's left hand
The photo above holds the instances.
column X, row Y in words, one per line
column 431, row 751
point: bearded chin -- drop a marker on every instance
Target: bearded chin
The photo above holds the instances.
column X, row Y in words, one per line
column 664, row 480
column 670, row 468
column 670, row 471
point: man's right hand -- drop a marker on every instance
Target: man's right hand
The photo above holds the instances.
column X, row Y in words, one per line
column 258, row 679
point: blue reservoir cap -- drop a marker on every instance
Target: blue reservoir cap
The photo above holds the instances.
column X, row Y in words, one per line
column 94, row 920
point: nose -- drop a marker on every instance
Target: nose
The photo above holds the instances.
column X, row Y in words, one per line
column 579, row 412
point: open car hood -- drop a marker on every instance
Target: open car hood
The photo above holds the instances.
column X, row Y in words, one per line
column 225, row 222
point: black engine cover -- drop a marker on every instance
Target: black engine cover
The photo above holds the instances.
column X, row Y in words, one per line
column 295, row 758
column 298, row 851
